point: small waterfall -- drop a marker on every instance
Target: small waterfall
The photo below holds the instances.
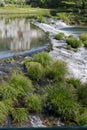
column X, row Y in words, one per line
column 36, row 121
column 61, row 24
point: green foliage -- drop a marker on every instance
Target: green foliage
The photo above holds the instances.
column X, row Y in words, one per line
column 57, row 71
column 75, row 82
column 35, row 70
column 82, row 94
column 34, row 103
column 83, row 37
column 3, row 112
column 81, row 119
column 41, row 19
column 59, row 36
column 7, row 92
column 63, row 16
column 63, row 101
column 69, row 47
column 22, row 84
column 44, row 58
column 85, row 43
column 19, row 114
column 74, row 42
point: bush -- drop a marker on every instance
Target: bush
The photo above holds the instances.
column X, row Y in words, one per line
column 35, row 70
column 22, row 84
column 44, row 58
column 82, row 94
column 85, row 43
column 63, row 101
column 59, row 36
column 83, row 37
column 19, row 114
column 33, row 103
column 57, row 71
column 74, row 42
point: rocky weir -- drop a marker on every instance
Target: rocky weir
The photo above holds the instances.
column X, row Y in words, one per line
column 76, row 61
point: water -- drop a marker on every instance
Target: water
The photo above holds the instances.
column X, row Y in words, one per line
column 75, row 30
column 18, row 35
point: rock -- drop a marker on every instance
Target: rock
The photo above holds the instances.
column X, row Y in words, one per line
column 36, row 121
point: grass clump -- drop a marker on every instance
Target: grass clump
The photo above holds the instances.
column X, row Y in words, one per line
column 69, row 47
column 8, row 92
column 81, row 119
column 74, row 42
column 83, row 37
column 85, row 43
column 75, row 82
column 35, row 70
column 82, row 94
column 57, row 71
column 33, row 103
column 59, row 36
column 21, row 84
column 44, row 58
column 63, row 101
column 19, row 114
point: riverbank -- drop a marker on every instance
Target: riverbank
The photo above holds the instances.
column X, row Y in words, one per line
column 76, row 61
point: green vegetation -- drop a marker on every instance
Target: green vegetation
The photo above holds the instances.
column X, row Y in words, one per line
column 57, row 71
column 20, row 114
column 69, row 47
column 66, row 97
column 74, row 42
column 44, row 58
column 82, row 94
column 35, row 70
column 33, row 103
column 59, row 36
column 85, row 43
column 63, row 101
column 83, row 37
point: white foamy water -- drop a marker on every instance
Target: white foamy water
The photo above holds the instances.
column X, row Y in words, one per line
column 76, row 61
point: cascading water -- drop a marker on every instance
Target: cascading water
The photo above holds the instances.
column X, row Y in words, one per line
column 76, row 61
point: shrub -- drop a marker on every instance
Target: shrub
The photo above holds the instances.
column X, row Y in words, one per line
column 22, row 84
column 63, row 101
column 83, row 37
column 33, row 103
column 57, row 71
column 85, row 43
column 19, row 114
column 44, row 58
column 59, row 36
column 74, row 42
column 82, row 94
column 35, row 70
